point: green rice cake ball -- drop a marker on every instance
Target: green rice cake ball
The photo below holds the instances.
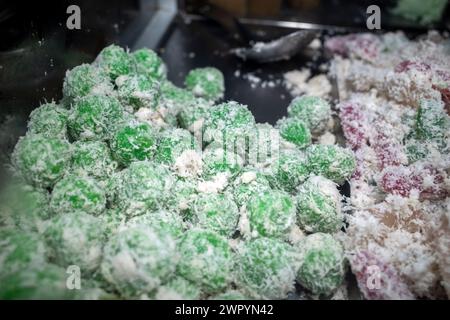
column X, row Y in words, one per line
column 149, row 64
column 84, row 80
column 184, row 192
column 133, row 141
column 266, row 268
column 172, row 143
column 247, row 184
column 264, row 146
column 76, row 238
column 138, row 91
column 174, row 98
column 224, row 121
column 218, row 161
column 178, row 288
column 28, row 207
column 145, row 186
column 93, row 116
column 322, row 264
column 50, row 120
column 163, row 220
column 205, row 259
column 271, row 214
column 113, row 221
column 137, row 260
column 432, row 122
column 331, row 161
column 206, row 82
column 314, row 111
column 47, row 282
column 289, row 170
column 40, row 160
column 230, row 295
column 319, row 206
column 296, row 131
column 215, row 212
column 193, row 114
column 20, row 251
column 93, row 158
column 115, row 61
column 78, row 193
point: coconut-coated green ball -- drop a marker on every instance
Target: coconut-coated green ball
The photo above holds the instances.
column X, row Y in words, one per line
column 133, row 141
column 226, row 121
column 78, row 193
column 331, row 161
column 206, row 82
column 230, row 295
column 319, row 206
column 40, row 160
column 296, row 131
column 93, row 117
column 216, row 212
column 83, row 80
column 432, row 122
column 137, row 260
column 218, row 161
column 266, row 268
column 249, row 183
column 27, row 206
column 172, row 143
column 149, row 63
column 115, row 61
column 50, row 120
column 193, row 114
column 314, row 111
column 20, row 250
column 93, row 158
column 163, row 220
column 205, row 259
column 184, row 192
column 138, row 91
column 75, row 238
column 289, row 170
column 322, row 264
column 145, row 186
column 174, row 98
column 271, row 214
column 264, row 146
column 113, row 221
column 46, row 282
column 178, row 288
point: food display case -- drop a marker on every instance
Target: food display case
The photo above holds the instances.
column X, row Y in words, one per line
column 148, row 151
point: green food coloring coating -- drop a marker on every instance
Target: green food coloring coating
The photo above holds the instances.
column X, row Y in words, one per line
column 206, row 82
column 133, row 141
column 78, row 193
column 248, row 184
column 205, row 259
column 271, row 214
column 216, row 160
column 115, row 61
column 266, row 268
column 432, row 121
column 84, row 80
column 183, row 193
column 172, row 143
column 138, row 91
column 50, row 120
column 174, row 98
column 76, row 238
column 41, row 161
column 163, row 220
column 145, row 186
column 314, row 111
column 215, row 212
column 193, row 114
column 296, row 131
column 93, row 158
column 178, row 288
column 93, row 117
column 322, row 264
column 319, row 206
column 149, row 63
column 137, row 260
column 331, row 161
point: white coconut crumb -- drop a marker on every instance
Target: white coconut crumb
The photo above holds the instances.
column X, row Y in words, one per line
column 327, row 138
column 296, row 234
column 216, row 185
column 248, row 177
column 153, row 117
column 244, row 223
column 315, row 44
column 189, row 164
column 299, row 82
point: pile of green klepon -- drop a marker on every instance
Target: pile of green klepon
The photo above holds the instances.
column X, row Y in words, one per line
column 147, row 190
